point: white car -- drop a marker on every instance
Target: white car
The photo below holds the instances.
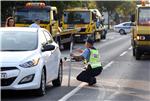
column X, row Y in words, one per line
column 123, row 28
column 29, row 59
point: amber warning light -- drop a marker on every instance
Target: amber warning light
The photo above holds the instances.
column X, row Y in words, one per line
column 143, row 2
column 35, row 5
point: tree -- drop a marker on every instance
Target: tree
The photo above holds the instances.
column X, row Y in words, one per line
column 117, row 8
column 126, row 9
column 7, row 8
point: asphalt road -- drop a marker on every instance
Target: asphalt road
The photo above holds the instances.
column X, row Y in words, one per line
column 123, row 77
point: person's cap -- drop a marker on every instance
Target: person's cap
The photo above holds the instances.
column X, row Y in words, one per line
column 37, row 19
column 89, row 40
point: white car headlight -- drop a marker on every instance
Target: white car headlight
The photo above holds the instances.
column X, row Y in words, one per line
column 31, row 63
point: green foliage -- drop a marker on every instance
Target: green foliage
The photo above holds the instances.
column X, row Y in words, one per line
column 118, row 9
column 7, row 8
column 126, row 8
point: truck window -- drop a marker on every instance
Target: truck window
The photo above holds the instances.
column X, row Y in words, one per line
column 27, row 16
column 144, row 17
column 77, row 17
column 55, row 15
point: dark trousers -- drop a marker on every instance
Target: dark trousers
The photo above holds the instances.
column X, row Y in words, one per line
column 89, row 74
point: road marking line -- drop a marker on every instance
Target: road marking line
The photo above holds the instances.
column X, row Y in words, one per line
column 130, row 48
column 113, row 94
column 73, row 92
column 108, row 65
column 123, row 53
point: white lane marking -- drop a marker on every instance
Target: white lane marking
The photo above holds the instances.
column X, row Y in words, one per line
column 130, row 48
column 73, row 92
column 108, row 65
column 67, row 96
column 123, row 53
column 113, row 94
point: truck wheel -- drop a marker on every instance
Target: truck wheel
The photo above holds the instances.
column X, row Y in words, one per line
column 133, row 51
column 66, row 45
column 94, row 36
column 137, row 54
column 57, row 82
column 103, row 35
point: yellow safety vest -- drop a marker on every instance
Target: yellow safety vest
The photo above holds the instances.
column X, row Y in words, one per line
column 94, row 60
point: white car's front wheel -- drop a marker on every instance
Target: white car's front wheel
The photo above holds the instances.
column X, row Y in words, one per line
column 42, row 90
column 57, row 82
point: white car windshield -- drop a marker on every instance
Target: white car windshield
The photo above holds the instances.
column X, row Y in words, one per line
column 18, row 41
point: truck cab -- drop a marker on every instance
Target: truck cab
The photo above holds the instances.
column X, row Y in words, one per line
column 85, row 20
column 141, row 31
column 26, row 15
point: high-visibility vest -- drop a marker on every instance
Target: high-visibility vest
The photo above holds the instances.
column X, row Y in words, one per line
column 94, row 60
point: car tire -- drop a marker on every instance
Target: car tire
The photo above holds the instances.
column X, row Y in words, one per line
column 42, row 90
column 57, row 82
column 121, row 31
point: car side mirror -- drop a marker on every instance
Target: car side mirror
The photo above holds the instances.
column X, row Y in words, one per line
column 48, row 48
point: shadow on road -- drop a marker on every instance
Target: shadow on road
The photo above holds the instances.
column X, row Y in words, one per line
column 52, row 94
column 145, row 58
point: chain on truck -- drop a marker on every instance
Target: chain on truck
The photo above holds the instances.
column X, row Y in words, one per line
column 141, row 30
column 84, row 19
column 48, row 19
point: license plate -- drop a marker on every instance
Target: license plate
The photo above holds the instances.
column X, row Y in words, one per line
column 71, row 26
column 3, row 75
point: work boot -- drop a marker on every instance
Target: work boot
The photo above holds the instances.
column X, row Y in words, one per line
column 92, row 82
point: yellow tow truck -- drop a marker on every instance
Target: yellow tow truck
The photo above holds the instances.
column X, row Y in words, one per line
column 141, row 31
column 84, row 19
column 48, row 16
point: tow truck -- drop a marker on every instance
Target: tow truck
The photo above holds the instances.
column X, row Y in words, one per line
column 141, row 31
column 84, row 19
column 48, row 16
